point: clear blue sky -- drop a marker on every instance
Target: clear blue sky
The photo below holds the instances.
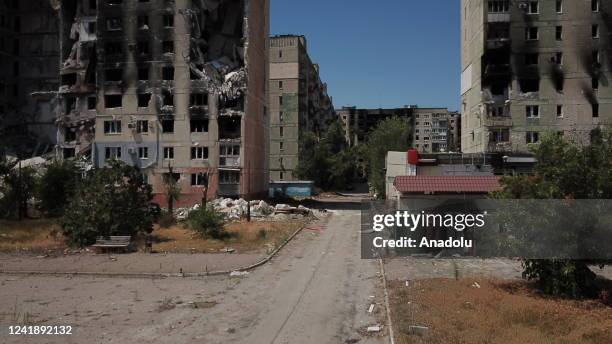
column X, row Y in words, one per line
column 386, row 53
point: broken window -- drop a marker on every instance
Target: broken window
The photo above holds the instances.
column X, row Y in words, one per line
column 113, row 24
column 499, row 135
column 167, row 125
column 531, row 59
column 168, row 73
column 199, row 179
column 532, row 111
column 595, row 83
column 281, row 145
column 595, row 5
column 595, row 110
column 280, row 85
column 91, row 103
column 70, row 103
column 199, row 153
column 175, row 176
column 529, row 85
column 198, row 99
column 142, row 126
column 534, row 7
column 532, row 137
column 168, row 47
column 143, row 48
column 595, row 31
column 143, row 22
column 281, row 131
column 199, row 125
column 112, row 153
column 281, row 116
column 168, row 99
column 143, row 74
column 168, row 153
column 559, row 6
column 144, row 99
column 113, row 101
column 69, row 135
column 531, row 33
column 169, row 20
column 280, row 100
column 236, row 103
column 229, row 155
column 68, row 153
column 93, row 4
column 143, row 152
column 559, row 33
column 69, row 79
column 596, row 58
column 229, row 177
column 113, row 48
column 499, row 6
column 229, row 127
column 557, row 58
column 112, row 127
column 559, row 111
column 91, row 28
column 114, row 74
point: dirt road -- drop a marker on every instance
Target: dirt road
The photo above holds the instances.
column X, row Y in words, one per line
column 317, row 290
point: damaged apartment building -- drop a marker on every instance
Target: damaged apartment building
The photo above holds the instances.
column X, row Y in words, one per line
column 176, row 87
column 434, row 129
column 299, row 103
column 29, row 60
column 531, row 67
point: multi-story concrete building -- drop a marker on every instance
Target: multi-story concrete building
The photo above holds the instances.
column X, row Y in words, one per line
column 434, row 129
column 532, row 66
column 176, row 87
column 298, row 103
column 29, row 63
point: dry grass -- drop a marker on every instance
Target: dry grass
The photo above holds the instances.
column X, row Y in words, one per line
column 457, row 311
column 30, row 235
column 256, row 236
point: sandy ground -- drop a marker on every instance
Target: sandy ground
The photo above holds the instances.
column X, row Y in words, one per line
column 170, row 263
column 317, row 290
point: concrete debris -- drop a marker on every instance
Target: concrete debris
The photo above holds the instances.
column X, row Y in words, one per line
column 417, row 330
column 371, row 309
column 375, row 328
column 476, row 285
column 238, row 273
column 237, row 209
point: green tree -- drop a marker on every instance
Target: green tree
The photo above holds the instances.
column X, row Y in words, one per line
column 57, row 186
column 109, row 201
column 392, row 134
column 565, row 171
column 16, row 189
column 207, row 223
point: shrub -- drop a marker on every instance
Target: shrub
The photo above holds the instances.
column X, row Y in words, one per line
column 57, row 186
column 207, row 223
column 166, row 220
column 110, row 201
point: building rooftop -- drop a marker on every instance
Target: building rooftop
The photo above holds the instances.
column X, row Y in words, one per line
column 446, row 184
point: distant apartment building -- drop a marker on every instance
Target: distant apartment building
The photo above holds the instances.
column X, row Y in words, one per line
column 175, row 87
column 434, row 129
column 29, row 65
column 530, row 67
column 299, row 103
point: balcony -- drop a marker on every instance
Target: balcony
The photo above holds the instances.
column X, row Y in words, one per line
column 499, row 147
column 498, row 121
column 498, row 17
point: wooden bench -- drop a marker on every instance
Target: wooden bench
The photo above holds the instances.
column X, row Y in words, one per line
column 113, row 242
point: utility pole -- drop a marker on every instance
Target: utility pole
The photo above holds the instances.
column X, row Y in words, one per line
column 248, row 195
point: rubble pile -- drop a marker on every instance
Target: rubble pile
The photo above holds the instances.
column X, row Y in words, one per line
column 236, row 209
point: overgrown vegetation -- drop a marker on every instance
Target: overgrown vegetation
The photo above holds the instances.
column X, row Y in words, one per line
column 57, row 186
column 207, row 223
column 328, row 161
column 392, row 134
column 565, row 170
column 109, row 201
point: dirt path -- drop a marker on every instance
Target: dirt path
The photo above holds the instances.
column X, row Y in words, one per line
column 317, row 290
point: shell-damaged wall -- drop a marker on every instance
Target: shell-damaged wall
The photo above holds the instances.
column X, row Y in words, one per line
column 191, row 72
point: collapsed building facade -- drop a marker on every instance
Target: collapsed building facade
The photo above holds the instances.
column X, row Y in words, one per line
column 176, row 87
column 29, row 60
column 530, row 67
column 433, row 129
column 299, row 103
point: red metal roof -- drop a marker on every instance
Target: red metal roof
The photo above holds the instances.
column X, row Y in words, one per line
column 446, row 184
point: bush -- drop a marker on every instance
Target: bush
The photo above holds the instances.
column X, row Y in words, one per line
column 57, row 187
column 110, row 201
column 207, row 223
column 166, row 220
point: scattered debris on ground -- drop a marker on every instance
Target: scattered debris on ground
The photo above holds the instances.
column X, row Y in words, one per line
column 238, row 273
column 237, row 209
